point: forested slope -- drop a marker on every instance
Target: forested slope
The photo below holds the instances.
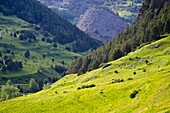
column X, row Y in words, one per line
column 152, row 21
column 35, row 13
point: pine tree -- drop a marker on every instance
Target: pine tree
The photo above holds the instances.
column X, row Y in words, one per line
column 27, row 54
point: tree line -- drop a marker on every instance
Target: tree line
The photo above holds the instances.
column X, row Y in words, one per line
column 34, row 12
column 152, row 21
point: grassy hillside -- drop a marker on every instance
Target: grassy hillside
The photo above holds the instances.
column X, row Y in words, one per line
column 153, row 20
column 36, row 13
column 36, row 66
column 138, row 83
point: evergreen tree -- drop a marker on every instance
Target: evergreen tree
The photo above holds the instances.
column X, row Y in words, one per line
column 152, row 21
column 9, row 83
column 27, row 54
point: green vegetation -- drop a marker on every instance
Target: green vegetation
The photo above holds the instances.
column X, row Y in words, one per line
column 147, row 92
column 46, row 86
column 152, row 21
column 9, row 91
column 21, row 60
column 137, row 82
column 63, row 32
column 33, row 86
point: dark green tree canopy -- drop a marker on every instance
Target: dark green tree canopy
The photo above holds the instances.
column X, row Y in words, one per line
column 152, row 21
column 34, row 12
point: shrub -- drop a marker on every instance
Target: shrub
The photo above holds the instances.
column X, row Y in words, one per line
column 134, row 73
column 101, row 92
column 34, row 87
column 52, row 60
column 60, row 69
column 116, row 71
column 27, row 34
column 68, row 48
column 15, row 35
column 133, row 95
column 146, row 61
column 129, row 79
column 78, row 88
column 65, row 91
column 117, row 80
column 43, row 39
column 9, row 91
column 55, row 45
column 46, row 86
column 86, row 86
column 49, row 40
column 144, row 70
column 63, row 62
column 27, row 54
column 43, row 56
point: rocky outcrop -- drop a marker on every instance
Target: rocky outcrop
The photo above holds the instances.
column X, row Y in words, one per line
column 100, row 24
column 78, row 7
column 101, row 19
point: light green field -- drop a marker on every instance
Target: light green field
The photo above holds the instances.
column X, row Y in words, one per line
column 107, row 97
column 37, row 49
column 125, row 13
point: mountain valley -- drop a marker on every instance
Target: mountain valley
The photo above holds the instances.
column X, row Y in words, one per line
column 48, row 65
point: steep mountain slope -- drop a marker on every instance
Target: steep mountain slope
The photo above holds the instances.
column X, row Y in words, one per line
column 152, row 21
column 101, row 24
column 128, row 85
column 72, row 9
column 40, row 62
column 34, row 12
column 83, row 12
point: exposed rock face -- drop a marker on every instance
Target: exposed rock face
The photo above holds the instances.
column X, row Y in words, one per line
column 78, row 7
column 101, row 24
column 98, row 18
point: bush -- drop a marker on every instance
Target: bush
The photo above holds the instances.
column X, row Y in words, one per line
column 46, row 86
column 116, row 72
column 49, row 40
column 133, row 95
column 9, row 91
column 60, row 69
column 117, row 80
column 129, row 79
column 27, row 54
column 27, row 34
column 86, row 86
column 43, row 39
column 144, row 70
column 34, row 87
column 68, row 48
column 146, row 61
column 11, row 65
column 134, row 73
column 55, row 45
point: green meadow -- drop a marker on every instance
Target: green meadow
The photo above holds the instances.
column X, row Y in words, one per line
column 36, row 66
column 136, row 83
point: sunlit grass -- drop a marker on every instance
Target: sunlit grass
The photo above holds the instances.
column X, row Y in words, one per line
column 153, row 86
